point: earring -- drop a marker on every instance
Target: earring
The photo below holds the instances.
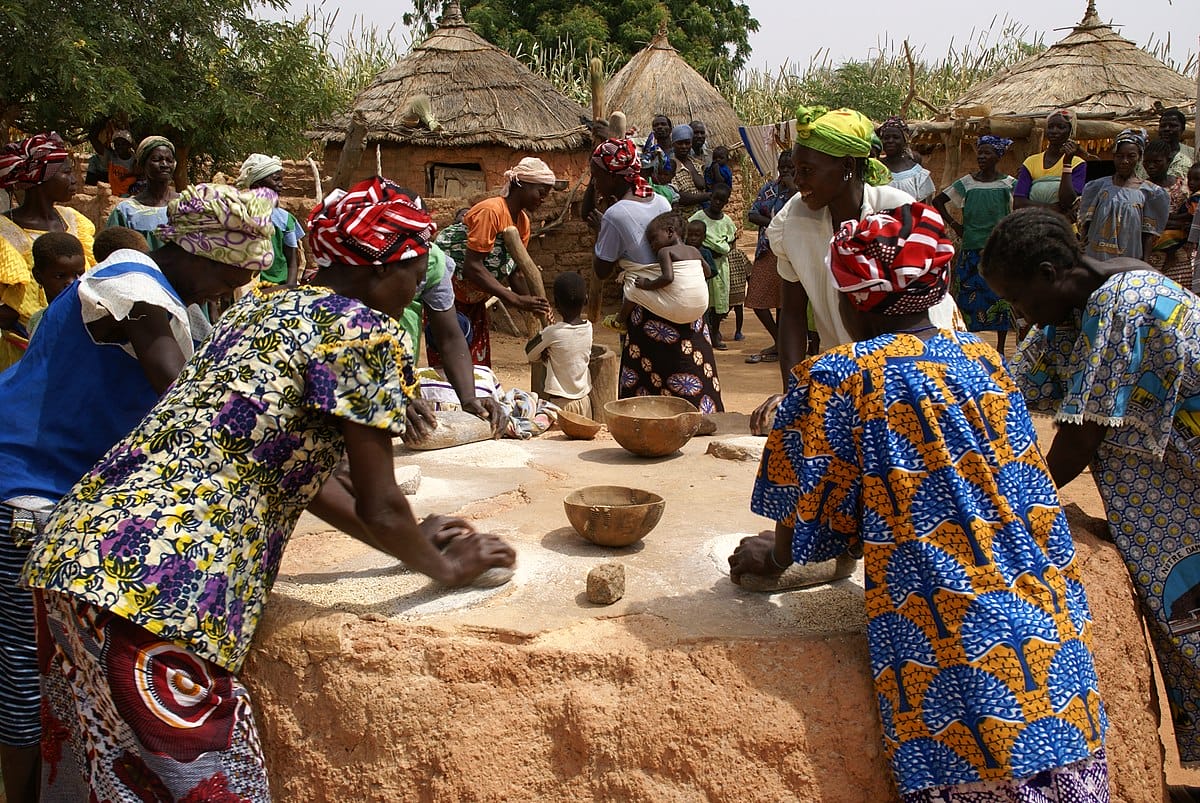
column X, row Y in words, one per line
column 848, row 176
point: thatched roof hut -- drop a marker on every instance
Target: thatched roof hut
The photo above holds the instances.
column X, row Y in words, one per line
column 658, row 81
column 450, row 117
column 456, row 91
column 1109, row 81
column 1094, row 70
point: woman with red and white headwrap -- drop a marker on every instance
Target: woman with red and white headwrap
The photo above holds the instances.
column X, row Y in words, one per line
column 42, row 167
column 166, row 551
column 483, row 266
column 913, row 449
column 658, row 355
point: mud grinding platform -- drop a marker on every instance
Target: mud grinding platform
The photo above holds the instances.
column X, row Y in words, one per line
column 372, row 683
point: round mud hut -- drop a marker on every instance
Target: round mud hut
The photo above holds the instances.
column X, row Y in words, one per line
column 449, row 118
column 1109, row 81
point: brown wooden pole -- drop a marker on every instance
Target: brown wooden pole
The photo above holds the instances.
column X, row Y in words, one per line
column 531, row 272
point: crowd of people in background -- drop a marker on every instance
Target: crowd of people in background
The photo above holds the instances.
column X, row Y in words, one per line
column 146, row 408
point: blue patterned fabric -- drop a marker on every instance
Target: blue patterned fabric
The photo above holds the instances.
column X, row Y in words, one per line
column 1132, row 363
column 923, row 455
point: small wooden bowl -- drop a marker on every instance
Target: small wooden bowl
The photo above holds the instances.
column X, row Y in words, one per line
column 576, row 426
column 613, row 515
column 652, row 426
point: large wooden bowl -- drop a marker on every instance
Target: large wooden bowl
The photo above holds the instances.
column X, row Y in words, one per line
column 652, row 426
column 577, row 426
column 613, row 515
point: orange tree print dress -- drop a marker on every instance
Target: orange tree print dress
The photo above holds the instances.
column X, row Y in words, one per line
column 923, row 455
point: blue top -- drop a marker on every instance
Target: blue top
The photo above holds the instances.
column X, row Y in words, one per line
column 69, row 399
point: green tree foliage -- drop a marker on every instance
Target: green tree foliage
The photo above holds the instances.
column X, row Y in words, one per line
column 713, row 36
column 205, row 73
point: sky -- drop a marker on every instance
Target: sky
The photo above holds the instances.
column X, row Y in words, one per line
column 793, row 33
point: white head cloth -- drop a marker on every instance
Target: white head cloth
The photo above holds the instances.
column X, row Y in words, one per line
column 529, row 170
column 257, row 167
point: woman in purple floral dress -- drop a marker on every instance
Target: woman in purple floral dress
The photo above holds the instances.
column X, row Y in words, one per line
column 166, row 551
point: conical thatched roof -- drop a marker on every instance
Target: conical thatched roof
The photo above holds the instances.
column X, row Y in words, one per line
column 1094, row 70
column 658, row 81
column 478, row 94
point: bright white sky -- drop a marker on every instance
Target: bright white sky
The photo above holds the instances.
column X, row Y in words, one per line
column 795, row 32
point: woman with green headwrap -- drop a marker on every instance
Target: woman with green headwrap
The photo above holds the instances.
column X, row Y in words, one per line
column 154, row 163
column 836, row 181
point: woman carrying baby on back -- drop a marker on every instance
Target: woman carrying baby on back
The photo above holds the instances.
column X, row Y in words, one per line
column 675, row 288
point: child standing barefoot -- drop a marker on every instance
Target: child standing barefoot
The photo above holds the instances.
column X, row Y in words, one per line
column 674, row 289
column 566, row 347
column 719, row 237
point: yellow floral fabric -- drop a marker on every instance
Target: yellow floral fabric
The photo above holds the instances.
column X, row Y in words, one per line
column 181, row 526
column 923, row 455
column 18, row 289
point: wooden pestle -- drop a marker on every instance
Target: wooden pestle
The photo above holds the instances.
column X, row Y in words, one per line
column 532, row 274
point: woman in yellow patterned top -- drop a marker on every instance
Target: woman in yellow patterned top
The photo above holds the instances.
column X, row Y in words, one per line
column 167, row 550
column 912, row 447
column 42, row 167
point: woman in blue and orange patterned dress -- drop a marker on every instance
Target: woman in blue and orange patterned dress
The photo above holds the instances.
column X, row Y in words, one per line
column 1115, row 358
column 912, row 446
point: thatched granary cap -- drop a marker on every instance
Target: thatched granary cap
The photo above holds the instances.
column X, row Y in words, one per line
column 1094, row 70
column 658, row 81
column 477, row 93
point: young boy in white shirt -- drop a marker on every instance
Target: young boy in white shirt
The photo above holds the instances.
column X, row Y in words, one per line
column 565, row 347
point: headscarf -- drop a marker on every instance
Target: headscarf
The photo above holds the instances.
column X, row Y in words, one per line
column 619, row 157
column 31, row 161
column 999, row 144
column 1066, row 114
column 897, row 123
column 681, row 132
column 1136, row 136
column 529, row 170
column 375, row 223
column 257, row 167
column 841, row 132
column 894, row 262
column 220, row 223
column 142, row 152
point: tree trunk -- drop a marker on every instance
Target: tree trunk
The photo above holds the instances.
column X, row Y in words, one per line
column 352, row 148
column 183, row 153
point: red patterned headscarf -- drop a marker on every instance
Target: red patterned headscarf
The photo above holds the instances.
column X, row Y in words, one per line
column 895, row 262
column 31, row 161
column 375, row 223
column 619, row 157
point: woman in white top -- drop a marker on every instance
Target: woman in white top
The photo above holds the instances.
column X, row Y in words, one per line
column 835, row 181
column 907, row 174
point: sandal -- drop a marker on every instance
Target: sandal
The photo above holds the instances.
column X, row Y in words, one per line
column 722, row 346
column 772, row 357
column 755, row 359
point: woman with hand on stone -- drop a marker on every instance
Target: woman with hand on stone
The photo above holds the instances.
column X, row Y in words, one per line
column 166, row 551
column 1114, row 356
column 912, row 447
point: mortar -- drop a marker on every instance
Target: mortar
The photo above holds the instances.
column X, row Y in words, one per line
column 652, row 426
